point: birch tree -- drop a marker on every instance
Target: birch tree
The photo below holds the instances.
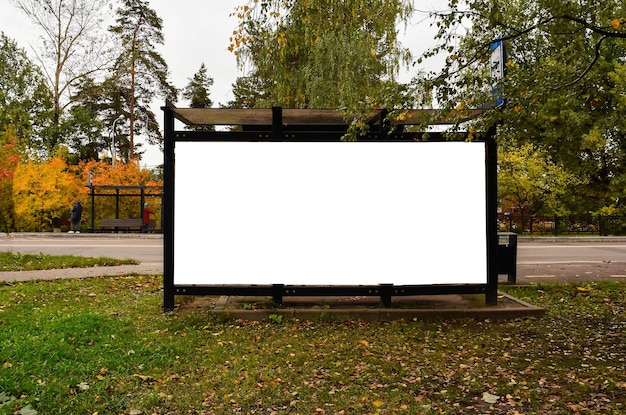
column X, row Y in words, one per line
column 322, row 54
column 72, row 43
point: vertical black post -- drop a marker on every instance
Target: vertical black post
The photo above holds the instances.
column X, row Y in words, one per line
column 161, row 221
column 601, row 226
column 277, row 124
column 512, row 272
column 277, row 129
column 385, row 294
column 277, row 293
column 142, row 200
column 93, row 209
column 117, row 207
column 491, row 295
column 556, row 225
column 117, row 203
column 168, row 207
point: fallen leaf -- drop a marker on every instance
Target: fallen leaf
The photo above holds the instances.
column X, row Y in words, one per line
column 145, row 378
column 27, row 410
column 83, row 386
column 489, row 398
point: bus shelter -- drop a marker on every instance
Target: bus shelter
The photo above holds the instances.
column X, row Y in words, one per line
column 277, row 204
column 117, row 203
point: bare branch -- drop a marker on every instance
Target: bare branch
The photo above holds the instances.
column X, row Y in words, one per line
column 71, row 47
column 588, row 68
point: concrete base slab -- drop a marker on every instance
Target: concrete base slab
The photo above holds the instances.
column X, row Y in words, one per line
column 425, row 307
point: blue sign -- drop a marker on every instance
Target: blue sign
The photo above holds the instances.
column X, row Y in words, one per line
column 496, row 69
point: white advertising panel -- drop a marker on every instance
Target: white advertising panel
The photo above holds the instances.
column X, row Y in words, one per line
column 338, row 213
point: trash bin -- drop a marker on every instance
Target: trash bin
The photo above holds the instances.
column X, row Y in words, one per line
column 507, row 255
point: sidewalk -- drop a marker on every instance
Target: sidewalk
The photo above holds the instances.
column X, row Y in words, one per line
column 52, row 274
column 108, row 235
column 142, row 268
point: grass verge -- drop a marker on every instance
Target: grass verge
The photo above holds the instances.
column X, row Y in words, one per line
column 10, row 261
column 104, row 346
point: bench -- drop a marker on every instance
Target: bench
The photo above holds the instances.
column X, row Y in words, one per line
column 121, row 223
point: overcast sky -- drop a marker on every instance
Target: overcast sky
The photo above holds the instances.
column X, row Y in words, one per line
column 198, row 31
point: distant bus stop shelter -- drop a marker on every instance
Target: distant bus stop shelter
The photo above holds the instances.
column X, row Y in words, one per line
column 276, row 204
column 118, row 193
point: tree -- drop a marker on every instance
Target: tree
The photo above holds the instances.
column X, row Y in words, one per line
column 316, row 54
column 249, row 92
column 9, row 159
column 84, row 132
column 43, row 192
column 563, row 82
column 197, row 92
column 72, row 43
column 98, row 105
column 529, row 180
column 25, row 100
column 139, row 68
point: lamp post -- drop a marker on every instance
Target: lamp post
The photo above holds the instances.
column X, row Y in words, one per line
column 121, row 117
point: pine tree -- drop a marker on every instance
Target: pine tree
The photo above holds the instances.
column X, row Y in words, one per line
column 197, row 90
column 139, row 68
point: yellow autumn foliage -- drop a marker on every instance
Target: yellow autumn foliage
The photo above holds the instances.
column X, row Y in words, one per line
column 44, row 192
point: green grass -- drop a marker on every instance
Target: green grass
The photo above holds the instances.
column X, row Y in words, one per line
column 10, row 261
column 104, row 346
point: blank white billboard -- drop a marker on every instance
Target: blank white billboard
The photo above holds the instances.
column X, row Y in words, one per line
column 338, row 213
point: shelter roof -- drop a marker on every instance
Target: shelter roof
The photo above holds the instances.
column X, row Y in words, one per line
column 313, row 117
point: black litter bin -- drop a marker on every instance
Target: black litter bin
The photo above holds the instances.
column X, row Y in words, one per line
column 507, row 255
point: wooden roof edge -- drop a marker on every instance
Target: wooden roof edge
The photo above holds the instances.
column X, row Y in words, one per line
column 291, row 116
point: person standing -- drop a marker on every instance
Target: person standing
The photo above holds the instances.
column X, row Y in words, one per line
column 77, row 211
column 146, row 217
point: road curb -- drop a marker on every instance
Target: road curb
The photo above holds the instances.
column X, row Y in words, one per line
column 65, row 235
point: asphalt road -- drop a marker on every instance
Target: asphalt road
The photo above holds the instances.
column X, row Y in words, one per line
column 143, row 249
column 571, row 260
column 571, row 252
column 549, row 260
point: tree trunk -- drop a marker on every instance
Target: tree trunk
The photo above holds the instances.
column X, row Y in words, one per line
column 131, row 105
column 131, row 109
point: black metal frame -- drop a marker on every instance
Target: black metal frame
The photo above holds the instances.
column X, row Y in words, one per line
column 278, row 130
